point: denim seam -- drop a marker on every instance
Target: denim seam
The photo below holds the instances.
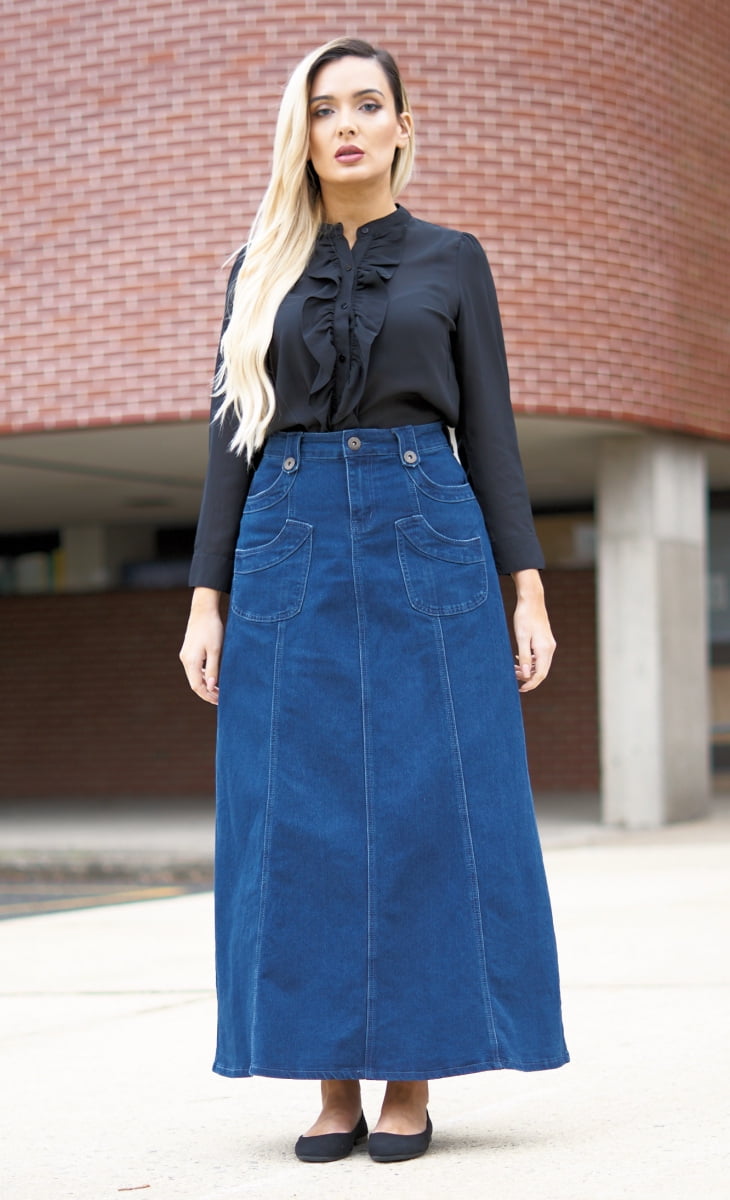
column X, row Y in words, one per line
column 435, row 491
column 412, row 485
column 293, row 447
column 467, row 834
column 415, row 527
column 270, row 788
column 370, row 997
column 490, row 1064
column 376, row 441
column 286, row 538
column 274, row 494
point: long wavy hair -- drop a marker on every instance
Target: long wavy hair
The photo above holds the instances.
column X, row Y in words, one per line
column 281, row 242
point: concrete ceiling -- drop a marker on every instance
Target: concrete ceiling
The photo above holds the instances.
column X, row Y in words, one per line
column 122, row 475
column 153, row 474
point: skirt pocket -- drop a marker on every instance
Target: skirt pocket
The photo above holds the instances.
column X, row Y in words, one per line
column 269, row 581
column 270, row 484
column 443, row 576
column 441, row 477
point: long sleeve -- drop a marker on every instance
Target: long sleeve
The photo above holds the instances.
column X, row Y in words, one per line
column 403, row 328
column 485, row 433
column 226, row 486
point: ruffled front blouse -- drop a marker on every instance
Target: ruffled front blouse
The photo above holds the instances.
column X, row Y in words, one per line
column 326, row 327
column 401, row 329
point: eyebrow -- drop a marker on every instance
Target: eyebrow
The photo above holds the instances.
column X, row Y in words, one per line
column 362, row 92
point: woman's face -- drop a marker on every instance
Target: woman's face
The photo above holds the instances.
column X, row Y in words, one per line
column 354, row 127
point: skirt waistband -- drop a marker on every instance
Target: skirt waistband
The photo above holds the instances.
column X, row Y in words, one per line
column 407, row 441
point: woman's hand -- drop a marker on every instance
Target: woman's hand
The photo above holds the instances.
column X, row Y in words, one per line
column 201, row 650
column 535, row 641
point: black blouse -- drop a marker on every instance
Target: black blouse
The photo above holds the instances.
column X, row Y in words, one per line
column 402, row 329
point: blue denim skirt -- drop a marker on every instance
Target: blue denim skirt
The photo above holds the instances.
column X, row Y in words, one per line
column 381, row 905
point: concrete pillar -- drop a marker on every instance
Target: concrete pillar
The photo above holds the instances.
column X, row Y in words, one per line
column 84, row 550
column 94, row 554
column 653, row 654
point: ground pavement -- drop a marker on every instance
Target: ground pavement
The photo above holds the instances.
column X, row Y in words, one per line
column 106, row 1038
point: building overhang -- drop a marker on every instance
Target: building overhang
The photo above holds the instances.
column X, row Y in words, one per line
column 153, row 473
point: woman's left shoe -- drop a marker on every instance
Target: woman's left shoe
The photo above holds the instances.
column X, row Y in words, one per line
column 329, row 1147
column 399, row 1147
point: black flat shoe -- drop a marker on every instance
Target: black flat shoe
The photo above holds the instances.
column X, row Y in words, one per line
column 328, row 1147
column 399, row 1147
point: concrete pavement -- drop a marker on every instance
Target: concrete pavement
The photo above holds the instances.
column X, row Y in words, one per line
column 158, row 838
column 106, row 1037
column 169, row 840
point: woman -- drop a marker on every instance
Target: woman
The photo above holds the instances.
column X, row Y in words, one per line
column 381, row 908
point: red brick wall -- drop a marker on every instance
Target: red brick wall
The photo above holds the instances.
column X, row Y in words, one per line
column 100, row 702
column 100, row 706
column 586, row 141
column 561, row 717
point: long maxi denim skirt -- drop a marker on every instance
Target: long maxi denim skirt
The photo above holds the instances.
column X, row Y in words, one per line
column 381, row 905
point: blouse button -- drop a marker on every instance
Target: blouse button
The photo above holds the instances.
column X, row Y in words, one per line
column 348, row 267
column 289, row 464
column 410, row 457
column 342, row 357
column 343, row 306
column 365, row 229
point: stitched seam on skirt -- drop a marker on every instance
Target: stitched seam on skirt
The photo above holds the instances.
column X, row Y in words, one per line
column 273, row 762
column 466, row 828
column 329, row 444
column 367, row 778
column 414, row 493
column 290, row 508
column 507, row 1064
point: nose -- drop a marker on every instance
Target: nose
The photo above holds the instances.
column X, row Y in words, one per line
column 347, row 125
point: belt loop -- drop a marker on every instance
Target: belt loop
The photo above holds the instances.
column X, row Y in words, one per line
column 406, row 435
column 292, row 451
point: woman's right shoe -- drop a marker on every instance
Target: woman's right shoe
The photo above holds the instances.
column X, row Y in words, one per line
column 399, row 1147
column 329, row 1147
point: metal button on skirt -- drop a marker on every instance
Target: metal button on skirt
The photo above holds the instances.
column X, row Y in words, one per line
column 381, row 905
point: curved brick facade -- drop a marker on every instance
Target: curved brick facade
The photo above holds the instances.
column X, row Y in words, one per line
column 587, row 142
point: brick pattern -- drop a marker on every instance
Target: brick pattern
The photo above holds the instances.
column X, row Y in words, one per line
column 587, row 142
column 561, row 717
column 100, row 706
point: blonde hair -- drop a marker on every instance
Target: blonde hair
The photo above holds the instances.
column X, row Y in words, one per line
column 281, row 242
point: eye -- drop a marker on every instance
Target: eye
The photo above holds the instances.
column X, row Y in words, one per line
column 322, row 111
column 371, row 106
